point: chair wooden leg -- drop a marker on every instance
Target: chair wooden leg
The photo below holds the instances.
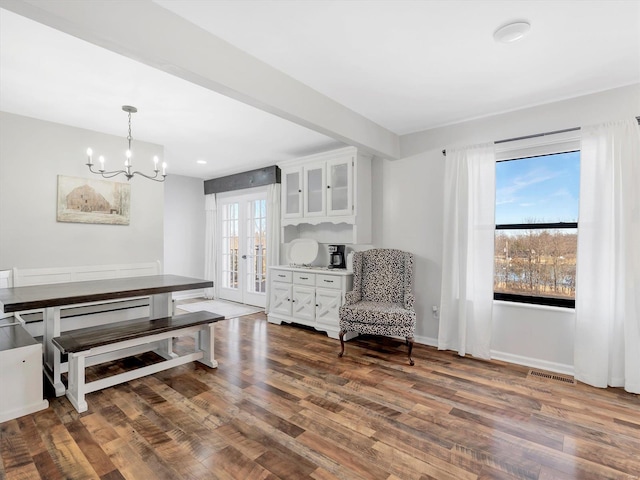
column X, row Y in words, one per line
column 341, row 335
column 410, row 343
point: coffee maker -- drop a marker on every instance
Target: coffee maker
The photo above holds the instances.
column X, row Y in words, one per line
column 336, row 256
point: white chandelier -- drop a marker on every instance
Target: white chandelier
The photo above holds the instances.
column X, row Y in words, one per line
column 127, row 163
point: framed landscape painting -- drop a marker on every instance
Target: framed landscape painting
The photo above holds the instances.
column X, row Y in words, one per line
column 83, row 200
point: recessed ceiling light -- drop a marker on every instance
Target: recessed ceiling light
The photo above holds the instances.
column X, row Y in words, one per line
column 512, row 32
column 201, row 162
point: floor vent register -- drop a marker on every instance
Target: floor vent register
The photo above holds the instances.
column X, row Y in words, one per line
column 539, row 374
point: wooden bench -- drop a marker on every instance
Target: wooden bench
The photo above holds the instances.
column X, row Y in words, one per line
column 85, row 346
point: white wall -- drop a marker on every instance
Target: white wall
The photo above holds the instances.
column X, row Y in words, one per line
column 410, row 218
column 412, row 221
column 32, row 154
column 184, row 226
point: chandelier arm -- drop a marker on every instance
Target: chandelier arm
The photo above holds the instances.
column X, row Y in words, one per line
column 105, row 174
column 150, row 177
column 115, row 173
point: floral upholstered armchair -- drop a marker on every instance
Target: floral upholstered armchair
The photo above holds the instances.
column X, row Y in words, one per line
column 381, row 302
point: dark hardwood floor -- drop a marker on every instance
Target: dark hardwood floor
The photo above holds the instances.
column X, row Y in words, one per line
column 281, row 404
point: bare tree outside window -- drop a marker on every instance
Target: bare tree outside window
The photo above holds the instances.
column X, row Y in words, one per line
column 536, row 262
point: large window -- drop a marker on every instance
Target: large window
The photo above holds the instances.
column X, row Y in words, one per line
column 536, row 229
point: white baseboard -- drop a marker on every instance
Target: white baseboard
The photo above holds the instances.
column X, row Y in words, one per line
column 432, row 342
column 533, row 362
column 23, row 410
column 512, row 358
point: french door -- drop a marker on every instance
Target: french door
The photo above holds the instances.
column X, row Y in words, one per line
column 242, row 230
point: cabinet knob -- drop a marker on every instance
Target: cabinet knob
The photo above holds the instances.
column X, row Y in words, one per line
column 328, row 186
column 299, row 191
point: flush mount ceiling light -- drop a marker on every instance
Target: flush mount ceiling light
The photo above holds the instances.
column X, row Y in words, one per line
column 512, row 32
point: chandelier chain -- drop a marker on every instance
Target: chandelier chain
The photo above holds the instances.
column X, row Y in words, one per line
column 129, row 137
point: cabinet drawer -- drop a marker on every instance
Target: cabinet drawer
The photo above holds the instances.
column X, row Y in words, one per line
column 328, row 281
column 304, row 278
column 281, row 276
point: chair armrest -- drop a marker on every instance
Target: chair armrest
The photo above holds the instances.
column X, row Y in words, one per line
column 409, row 300
column 351, row 297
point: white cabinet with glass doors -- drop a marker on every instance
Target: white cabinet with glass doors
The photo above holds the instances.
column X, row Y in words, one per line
column 332, row 187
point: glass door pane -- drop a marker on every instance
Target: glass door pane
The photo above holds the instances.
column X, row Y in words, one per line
column 256, row 242
column 293, row 189
column 339, row 183
column 315, row 194
column 339, row 175
column 230, row 244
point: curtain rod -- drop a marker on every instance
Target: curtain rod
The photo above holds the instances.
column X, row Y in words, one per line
column 444, row 152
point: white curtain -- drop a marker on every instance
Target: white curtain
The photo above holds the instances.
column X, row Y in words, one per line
column 273, row 231
column 607, row 341
column 210, row 245
column 466, row 303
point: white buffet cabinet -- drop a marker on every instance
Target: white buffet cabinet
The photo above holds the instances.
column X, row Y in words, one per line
column 308, row 296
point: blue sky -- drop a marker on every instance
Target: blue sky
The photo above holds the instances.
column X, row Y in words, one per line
column 542, row 189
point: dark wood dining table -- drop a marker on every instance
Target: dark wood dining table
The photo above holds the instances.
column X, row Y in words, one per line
column 51, row 297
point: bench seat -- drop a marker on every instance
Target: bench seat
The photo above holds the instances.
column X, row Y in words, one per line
column 93, row 342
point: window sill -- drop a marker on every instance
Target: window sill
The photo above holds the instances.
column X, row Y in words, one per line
column 533, row 306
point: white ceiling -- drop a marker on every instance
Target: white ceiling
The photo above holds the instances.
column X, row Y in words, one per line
column 405, row 65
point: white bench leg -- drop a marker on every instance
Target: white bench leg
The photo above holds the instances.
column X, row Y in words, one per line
column 205, row 343
column 160, row 305
column 76, row 390
column 53, row 367
column 165, row 349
